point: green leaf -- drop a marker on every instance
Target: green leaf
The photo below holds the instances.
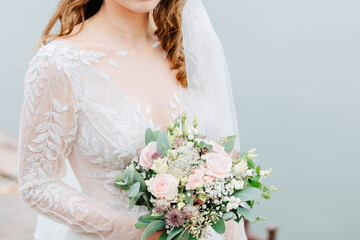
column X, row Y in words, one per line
column 133, row 200
column 153, row 227
column 186, row 235
column 247, row 213
column 138, row 178
column 189, row 199
column 265, row 189
column 248, row 193
column 254, row 184
column 163, row 236
column 141, row 225
column 129, row 174
column 174, row 232
column 219, row 226
column 250, row 203
column 250, row 163
column 141, row 219
column 256, row 178
column 152, row 218
column 149, row 136
column 134, row 190
column 229, row 145
column 162, row 142
column 202, row 144
column 157, row 132
column 119, row 177
column 179, row 236
column 258, row 170
column 266, row 195
column 229, row 216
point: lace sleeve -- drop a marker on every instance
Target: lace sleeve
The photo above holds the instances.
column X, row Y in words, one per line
column 48, row 127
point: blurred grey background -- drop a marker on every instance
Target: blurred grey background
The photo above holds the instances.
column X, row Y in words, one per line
column 295, row 67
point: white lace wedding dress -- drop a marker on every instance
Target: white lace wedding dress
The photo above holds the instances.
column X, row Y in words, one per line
column 74, row 112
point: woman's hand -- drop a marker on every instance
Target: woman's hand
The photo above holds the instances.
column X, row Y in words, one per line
column 155, row 236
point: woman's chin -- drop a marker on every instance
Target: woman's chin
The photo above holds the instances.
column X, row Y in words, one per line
column 139, row 6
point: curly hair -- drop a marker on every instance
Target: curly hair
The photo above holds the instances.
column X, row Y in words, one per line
column 167, row 18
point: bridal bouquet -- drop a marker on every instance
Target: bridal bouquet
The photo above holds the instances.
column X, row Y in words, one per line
column 190, row 183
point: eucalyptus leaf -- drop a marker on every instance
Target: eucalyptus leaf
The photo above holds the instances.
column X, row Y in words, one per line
column 149, row 136
column 151, row 218
column 134, row 190
column 248, row 193
column 219, row 226
column 138, row 178
column 203, row 144
column 189, row 199
column 119, row 177
column 152, row 227
column 129, row 175
column 141, row 225
column 162, row 142
column 133, row 200
column 229, row 216
column 174, row 232
column 229, row 145
column 157, row 132
column 247, row 213
column 141, row 219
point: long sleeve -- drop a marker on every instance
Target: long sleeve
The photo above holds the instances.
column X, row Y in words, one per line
column 48, row 128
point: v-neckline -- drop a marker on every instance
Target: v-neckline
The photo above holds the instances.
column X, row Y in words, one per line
column 106, row 77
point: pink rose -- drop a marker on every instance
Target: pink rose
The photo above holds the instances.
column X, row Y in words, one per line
column 194, row 181
column 208, row 179
column 217, row 148
column 199, row 171
column 163, row 186
column 146, row 155
column 218, row 165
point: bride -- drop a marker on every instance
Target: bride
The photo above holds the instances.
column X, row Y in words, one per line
column 114, row 68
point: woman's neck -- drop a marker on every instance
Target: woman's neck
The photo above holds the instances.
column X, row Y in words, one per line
column 119, row 25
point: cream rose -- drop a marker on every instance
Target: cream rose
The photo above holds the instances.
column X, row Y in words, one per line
column 163, row 186
column 240, row 167
column 160, row 165
column 146, row 159
column 218, row 165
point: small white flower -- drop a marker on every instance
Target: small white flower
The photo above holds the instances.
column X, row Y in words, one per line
column 203, row 157
column 191, row 137
column 177, row 132
column 181, row 205
column 249, row 172
column 252, row 151
column 252, row 156
column 171, row 154
column 190, row 144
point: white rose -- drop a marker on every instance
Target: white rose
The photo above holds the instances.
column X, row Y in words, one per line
column 240, row 167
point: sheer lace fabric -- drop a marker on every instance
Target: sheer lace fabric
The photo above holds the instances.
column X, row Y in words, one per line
column 73, row 111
